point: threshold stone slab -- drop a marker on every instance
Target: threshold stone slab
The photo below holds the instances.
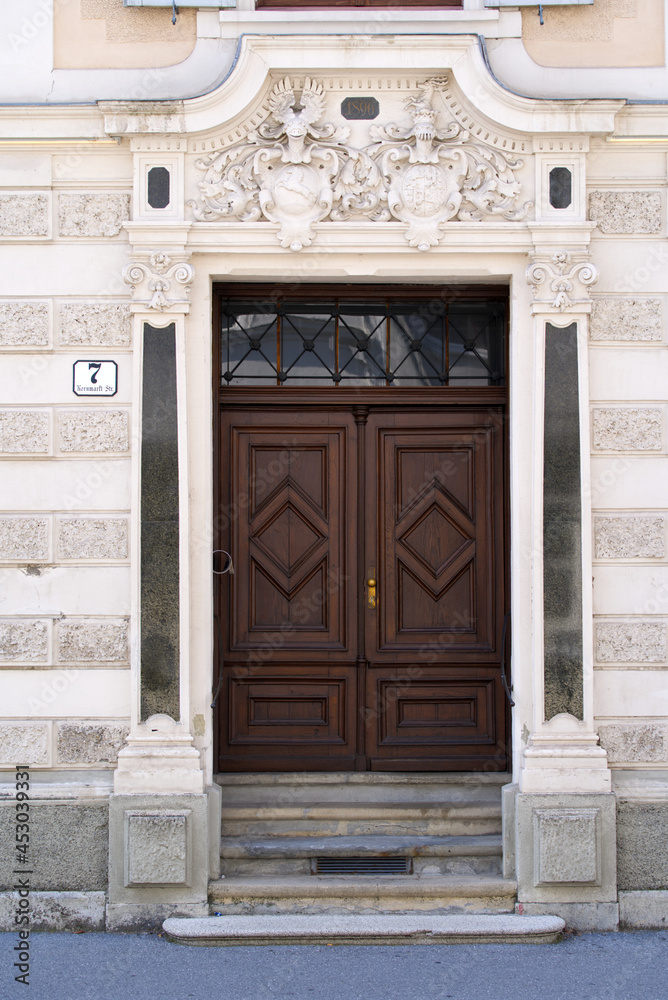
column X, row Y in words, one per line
column 377, row 929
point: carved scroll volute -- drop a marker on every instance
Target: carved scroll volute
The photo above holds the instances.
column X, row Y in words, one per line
column 159, row 282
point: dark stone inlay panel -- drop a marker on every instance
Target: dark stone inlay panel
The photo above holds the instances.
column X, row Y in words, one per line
column 561, row 184
column 562, row 526
column 158, row 187
column 159, row 526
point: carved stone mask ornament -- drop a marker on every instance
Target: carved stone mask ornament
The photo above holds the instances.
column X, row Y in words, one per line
column 295, row 173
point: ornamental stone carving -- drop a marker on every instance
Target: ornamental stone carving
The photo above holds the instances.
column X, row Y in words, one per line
column 562, row 278
column 160, row 282
column 295, row 172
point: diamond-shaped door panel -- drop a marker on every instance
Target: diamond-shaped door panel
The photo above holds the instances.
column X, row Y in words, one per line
column 288, row 538
column 449, row 470
column 274, row 469
column 435, row 539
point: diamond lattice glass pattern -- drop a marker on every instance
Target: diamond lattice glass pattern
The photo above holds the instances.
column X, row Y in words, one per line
column 423, row 342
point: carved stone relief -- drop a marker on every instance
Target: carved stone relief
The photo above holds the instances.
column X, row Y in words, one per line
column 160, row 282
column 565, row 278
column 295, row 172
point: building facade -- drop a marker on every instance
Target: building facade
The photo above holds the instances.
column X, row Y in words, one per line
column 333, row 434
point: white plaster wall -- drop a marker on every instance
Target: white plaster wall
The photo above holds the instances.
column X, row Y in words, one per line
column 628, row 363
column 64, row 460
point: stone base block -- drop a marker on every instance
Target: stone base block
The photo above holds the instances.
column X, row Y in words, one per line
column 577, row 916
column 644, row 910
column 56, row 911
column 566, row 848
column 149, row 916
column 158, row 849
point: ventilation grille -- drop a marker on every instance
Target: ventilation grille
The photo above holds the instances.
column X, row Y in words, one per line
column 361, row 866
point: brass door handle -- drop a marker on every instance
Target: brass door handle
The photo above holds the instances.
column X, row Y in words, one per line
column 371, row 589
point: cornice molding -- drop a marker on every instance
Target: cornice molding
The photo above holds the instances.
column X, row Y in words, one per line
column 262, row 60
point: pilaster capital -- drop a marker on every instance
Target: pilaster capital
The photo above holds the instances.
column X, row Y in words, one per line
column 160, row 279
column 560, row 280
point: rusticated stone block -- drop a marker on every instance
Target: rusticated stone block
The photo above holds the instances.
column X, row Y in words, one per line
column 92, row 214
column 24, row 641
column 642, row 845
column 619, row 428
column 24, row 743
column 92, row 538
column 24, row 324
column 93, row 430
column 95, row 324
column 625, row 319
column 630, row 743
column 68, row 845
column 629, row 536
column 24, row 215
column 90, row 744
column 24, row 432
column 156, row 847
column 24, row 538
column 93, row 641
column 626, row 211
column 630, row 642
column 565, row 848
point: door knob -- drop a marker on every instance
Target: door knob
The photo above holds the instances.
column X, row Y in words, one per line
column 371, row 589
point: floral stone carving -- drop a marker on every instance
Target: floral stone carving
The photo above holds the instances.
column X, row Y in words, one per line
column 295, row 173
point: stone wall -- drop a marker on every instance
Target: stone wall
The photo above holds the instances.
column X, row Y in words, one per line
column 65, row 484
column 628, row 359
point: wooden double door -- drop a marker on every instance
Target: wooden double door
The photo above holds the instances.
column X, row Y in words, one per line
column 361, row 627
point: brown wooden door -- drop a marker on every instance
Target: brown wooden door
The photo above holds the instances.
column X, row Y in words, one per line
column 318, row 498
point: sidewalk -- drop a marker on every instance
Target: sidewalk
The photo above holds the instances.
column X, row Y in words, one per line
column 624, row 966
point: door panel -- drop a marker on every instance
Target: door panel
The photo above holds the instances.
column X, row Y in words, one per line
column 289, row 548
column 314, row 677
column 432, row 483
column 436, row 482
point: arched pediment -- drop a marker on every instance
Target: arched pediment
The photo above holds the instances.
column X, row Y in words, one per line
column 443, row 143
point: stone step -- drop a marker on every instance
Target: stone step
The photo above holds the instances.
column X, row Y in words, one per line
column 362, row 893
column 361, row 787
column 374, row 929
column 353, row 819
column 293, row 855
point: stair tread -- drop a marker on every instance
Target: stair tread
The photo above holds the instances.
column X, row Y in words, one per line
column 355, row 886
column 363, row 929
column 302, row 778
column 259, row 810
column 348, row 846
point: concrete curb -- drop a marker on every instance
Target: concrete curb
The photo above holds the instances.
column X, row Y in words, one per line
column 380, row 929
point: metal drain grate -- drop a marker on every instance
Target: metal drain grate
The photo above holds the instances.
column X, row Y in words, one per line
column 361, row 866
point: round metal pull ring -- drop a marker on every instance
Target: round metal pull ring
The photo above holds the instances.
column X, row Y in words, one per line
column 227, row 566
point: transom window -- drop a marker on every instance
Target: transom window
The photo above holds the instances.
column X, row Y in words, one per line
column 428, row 340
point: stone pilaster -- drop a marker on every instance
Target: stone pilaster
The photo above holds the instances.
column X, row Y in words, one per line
column 160, row 809
column 562, row 805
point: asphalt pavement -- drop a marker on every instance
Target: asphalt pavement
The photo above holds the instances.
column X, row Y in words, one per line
column 623, row 966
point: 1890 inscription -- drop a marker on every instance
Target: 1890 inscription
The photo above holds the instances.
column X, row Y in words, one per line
column 360, row 108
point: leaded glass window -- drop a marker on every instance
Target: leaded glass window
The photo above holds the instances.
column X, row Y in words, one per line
column 428, row 341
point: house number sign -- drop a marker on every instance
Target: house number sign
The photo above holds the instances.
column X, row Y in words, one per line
column 94, row 378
